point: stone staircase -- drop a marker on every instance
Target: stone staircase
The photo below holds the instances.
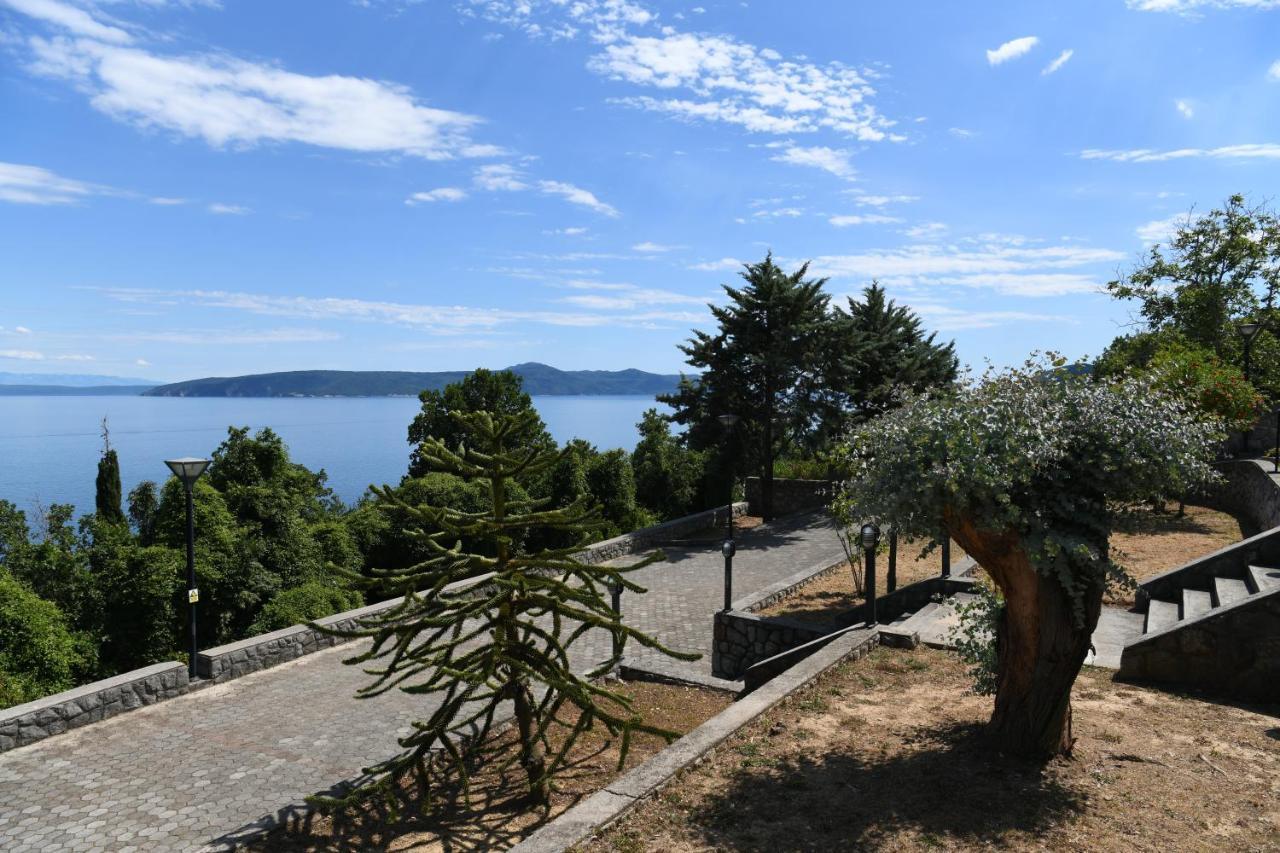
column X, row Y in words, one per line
column 932, row 625
column 1213, row 623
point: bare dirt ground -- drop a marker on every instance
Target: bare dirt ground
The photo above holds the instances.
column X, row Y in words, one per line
column 1154, row 542
column 887, row 753
column 823, row 599
column 496, row 814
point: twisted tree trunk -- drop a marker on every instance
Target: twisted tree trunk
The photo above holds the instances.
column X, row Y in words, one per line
column 1040, row 647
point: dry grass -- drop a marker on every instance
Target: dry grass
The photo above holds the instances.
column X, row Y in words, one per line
column 496, row 814
column 1153, row 542
column 888, row 753
column 823, row 599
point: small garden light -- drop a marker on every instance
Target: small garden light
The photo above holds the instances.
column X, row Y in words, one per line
column 870, row 539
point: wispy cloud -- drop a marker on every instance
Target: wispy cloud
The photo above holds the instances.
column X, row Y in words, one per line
column 1265, row 150
column 1063, row 59
column 649, row 247
column 1184, row 108
column 1273, row 73
column 718, row 266
column 36, row 355
column 1191, row 7
column 439, row 194
column 503, row 177
column 70, row 18
column 578, row 196
column 949, row 318
column 1011, row 50
column 22, row 184
column 833, row 160
column 1161, row 230
column 882, row 200
column 228, row 209
column 862, row 219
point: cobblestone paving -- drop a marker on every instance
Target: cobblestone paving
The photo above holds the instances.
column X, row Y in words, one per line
column 204, row 769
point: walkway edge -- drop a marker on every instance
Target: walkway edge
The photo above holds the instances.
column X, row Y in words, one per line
column 607, row 805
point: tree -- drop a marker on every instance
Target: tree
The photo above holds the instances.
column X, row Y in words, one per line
column 39, row 652
column 107, row 505
column 499, row 392
column 1215, row 271
column 762, row 364
column 144, row 503
column 881, row 356
column 55, row 565
column 666, row 474
column 306, row 603
column 509, row 637
column 138, row 587
column 1038, row 464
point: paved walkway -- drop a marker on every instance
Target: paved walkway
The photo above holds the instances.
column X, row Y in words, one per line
column 205, row 769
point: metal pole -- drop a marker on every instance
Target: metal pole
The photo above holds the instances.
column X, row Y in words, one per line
column 946, row 535
column 1276, row 468
column 191, row 578
column 892, row 583
column 1248, row 364
column 871, row 586
column 728, row 580
column 616, row 591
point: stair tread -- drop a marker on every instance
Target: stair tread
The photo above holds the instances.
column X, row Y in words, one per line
column 1160, row 615
column 1229, row 590
column 1264, row 577
column 919, row 616
column 1195, row 603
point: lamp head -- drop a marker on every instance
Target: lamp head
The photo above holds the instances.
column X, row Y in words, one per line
column 727, row 421
column 728, row 548
column 187, row 469
column 870, row 536
column 1248, row 330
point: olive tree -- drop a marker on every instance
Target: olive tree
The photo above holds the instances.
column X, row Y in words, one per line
column 1027, row 470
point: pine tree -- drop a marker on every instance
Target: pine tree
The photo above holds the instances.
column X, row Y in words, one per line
column 107, row 500
column 764, row 364
column 477, row 631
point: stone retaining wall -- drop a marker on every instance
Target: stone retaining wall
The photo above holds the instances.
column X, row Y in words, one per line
column 1247, row 492
column 52, row 715
column 791, row 495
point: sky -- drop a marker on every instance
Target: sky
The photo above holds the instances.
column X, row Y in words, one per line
column 198, row 188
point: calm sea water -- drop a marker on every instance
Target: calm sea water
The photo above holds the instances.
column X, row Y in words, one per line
column 49, row 446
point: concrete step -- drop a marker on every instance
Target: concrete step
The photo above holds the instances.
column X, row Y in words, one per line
column 1160, row 615
column 1195, row 603
column 1228, row 590
column 913, row 620
column 1263, row 578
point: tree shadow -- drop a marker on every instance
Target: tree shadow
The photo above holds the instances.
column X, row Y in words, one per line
column 949, row 784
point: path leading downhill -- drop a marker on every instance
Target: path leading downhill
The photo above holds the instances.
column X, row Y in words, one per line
column 217, row 765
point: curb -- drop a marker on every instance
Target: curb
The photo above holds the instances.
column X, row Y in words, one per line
column 607, row 805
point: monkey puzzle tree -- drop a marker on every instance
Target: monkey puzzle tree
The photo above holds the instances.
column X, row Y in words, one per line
column 480, row 631
column 1038, row 464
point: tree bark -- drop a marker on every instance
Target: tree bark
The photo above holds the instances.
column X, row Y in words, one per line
column 1040, row 647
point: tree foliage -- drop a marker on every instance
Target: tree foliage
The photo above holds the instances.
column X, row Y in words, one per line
column 1037, row 464
column 480, row 629
column 39, row 653
column 667, row 475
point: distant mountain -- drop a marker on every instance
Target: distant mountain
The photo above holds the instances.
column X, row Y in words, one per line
column 539, row 379
column 74, row 380
column 73, row 390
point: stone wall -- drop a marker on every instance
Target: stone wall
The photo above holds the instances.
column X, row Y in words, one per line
column 1247, row 492
column 1235, row 650
column 52, row 715
column 791, row 495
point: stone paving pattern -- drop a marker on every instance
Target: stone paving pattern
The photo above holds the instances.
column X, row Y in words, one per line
column 201, row 770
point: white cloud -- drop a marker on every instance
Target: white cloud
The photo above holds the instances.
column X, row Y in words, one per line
column 142, row 362
column 577, row 195
column 1273, row 73
column 962, row 133
column 438, row 194
column 1161, row 230
column 862, row 219
column 1189, row 7
column 650, row 247
column 235, row 337
column 738, row 83
column 499, row 177
column 22, row 330
column 882, row 200
column 1063, row 59
column 1265, row 150
column 603, row 20
column 165, row 201
column 232, row 102
column 948, row 318
column 718, row 266
column 627, row 297
column 1184, row 109
column 926, row 230
column 22, row 184
column 1011, row 50
column 69, row 18
column 228, row 209
column 22, row 354
column 833, row 160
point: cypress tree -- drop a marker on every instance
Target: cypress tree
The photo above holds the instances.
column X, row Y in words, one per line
column 107, row 499
column 506, row 638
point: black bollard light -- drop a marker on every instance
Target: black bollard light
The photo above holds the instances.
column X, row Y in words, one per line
column 188, row 469
column 870, row 539
column 728, row 547
column 615, row 591
column 892, row 578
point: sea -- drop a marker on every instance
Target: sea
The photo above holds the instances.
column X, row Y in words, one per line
column 49, row 446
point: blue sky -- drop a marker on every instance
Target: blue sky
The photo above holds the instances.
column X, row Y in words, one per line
column 203, row 188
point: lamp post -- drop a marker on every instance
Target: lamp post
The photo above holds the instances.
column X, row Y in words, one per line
column 188, row 469
column 1248, row 331
column 946, row 535
column 728, row 547
column 870, row 539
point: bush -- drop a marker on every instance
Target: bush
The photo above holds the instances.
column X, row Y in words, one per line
column 975, row 638
column 301, row 604
column 39, row 654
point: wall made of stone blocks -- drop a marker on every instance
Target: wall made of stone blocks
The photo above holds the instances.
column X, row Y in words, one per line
column 52, row 715
column 791, row 495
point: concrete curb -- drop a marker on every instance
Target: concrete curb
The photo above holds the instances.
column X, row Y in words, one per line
column 607, row 805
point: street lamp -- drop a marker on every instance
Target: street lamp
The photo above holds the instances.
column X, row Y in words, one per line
column 870, row 539
column 188, row 469
column 728, row 548
column 1248, row 331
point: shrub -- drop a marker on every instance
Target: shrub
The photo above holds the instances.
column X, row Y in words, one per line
column 39, row 654
column 306, row 603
